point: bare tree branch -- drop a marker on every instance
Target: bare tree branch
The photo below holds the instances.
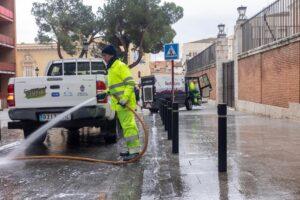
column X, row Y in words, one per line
column 59, row 50
column 141, row 52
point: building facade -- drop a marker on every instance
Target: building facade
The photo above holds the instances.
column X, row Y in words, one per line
column 258, row 69
column 33, row 56
column 7, row 46
column 191, row 49
column 142, row 69
column 267, row 61
column 163, row 67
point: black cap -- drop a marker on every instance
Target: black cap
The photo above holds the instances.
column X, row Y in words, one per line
column 110, row 50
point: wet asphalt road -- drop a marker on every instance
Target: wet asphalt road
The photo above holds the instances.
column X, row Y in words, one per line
column 263, row 163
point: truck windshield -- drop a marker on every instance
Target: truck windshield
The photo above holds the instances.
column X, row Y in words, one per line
column 55, row 70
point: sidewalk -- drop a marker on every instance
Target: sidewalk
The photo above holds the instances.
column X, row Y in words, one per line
column 263, row 163
column 4, row 118
column 7, row 136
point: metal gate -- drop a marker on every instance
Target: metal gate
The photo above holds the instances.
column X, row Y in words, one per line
column 228, row 83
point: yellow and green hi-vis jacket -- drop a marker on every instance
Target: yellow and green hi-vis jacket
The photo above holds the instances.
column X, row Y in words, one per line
column 121, row 84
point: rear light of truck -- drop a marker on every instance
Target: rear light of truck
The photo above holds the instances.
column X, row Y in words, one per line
column 101, row 87
column 11, row 95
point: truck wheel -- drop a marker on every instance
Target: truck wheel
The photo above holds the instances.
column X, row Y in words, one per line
column 153, row 110
column 111, row 132
column 111, row 139
column 29, row 130
column 73, row 135
column 189, row 104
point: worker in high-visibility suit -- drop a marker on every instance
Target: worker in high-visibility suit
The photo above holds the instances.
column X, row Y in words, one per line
column 194, row 93
column 121, row 85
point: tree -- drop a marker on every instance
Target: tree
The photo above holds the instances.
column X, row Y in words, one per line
column 145, row 24
column 67, row 23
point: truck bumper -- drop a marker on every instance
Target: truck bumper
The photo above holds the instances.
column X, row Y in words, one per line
column 64, row 124
column 32, row 114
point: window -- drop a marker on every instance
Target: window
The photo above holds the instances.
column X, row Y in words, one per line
column 83, row 68
column 28, row 71
column 98, row 68
column 55, row 69
column 70, row 69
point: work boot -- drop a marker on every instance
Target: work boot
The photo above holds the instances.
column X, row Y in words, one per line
column 130, row 156
column 124, row 153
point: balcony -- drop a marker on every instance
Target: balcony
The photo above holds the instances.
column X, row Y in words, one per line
column 7, row 68
column 7, row 41
column 6, row 15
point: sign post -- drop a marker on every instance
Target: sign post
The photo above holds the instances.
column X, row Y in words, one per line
column 172, row 53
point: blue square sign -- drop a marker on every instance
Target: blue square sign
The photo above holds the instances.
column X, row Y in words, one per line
column 171, row 51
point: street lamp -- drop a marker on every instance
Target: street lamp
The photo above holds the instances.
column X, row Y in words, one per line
column 242, row 12
column 221, row 28
column 85, row 45
column 37, row 71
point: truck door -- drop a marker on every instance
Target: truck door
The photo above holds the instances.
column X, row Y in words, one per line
column 204, row 85
column 147, row 84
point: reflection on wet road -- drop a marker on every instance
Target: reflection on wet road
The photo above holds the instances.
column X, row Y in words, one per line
column 263, row 163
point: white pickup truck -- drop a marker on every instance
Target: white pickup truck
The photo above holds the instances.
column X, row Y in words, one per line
column 35, row 100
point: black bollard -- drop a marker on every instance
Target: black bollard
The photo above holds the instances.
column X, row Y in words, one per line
column 159, row 107
column 222, row 137
column 175, row 129
column 170, row 120
column 165, row 114
column 163, row 111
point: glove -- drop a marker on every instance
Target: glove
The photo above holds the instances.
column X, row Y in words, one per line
column 101, row 96
column 123, row 102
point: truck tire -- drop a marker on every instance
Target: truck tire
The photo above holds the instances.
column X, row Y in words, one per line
column 30, row 129
column 73, row 136
column 111, row 139
column 153, row 110
column 111, row 132
column 189, row 104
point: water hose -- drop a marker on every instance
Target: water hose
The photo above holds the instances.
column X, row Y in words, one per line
column 91, row 160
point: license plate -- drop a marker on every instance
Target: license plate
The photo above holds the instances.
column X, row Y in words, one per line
column 49, row 116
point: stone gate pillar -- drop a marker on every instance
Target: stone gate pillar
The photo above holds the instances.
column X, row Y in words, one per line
column 237, row 49
column 221, row 57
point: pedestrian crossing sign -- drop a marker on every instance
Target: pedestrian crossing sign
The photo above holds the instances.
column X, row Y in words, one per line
column 171, row 51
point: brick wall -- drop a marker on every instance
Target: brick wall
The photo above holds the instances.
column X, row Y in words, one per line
column 271, row 77
column 211, row 72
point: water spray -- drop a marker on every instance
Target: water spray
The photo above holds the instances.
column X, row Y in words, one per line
column 27, row 142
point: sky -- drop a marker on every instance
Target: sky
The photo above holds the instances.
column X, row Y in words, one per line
column 200, row 20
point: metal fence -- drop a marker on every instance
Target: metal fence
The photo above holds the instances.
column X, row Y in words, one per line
column 279, row 20
column 203, row 59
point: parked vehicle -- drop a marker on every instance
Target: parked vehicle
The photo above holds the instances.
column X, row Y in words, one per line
column 160, row 86
column 35, row 100
column 203, row 86
column 156, row 87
